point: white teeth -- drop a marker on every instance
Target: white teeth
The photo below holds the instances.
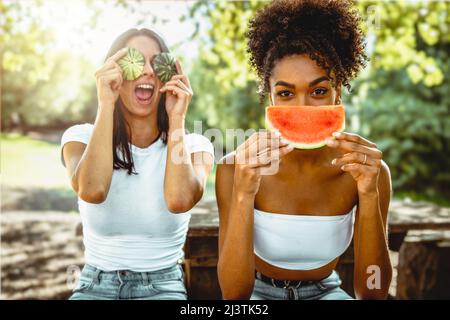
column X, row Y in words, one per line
column 145, row 86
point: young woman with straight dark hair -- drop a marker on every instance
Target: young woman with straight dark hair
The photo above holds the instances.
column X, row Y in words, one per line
column 135, row 176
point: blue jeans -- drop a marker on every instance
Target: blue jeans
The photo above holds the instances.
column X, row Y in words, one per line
column 166, row 284
column 326, row 289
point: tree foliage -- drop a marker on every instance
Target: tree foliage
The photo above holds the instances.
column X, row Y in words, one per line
column 40, row 86
column 402, row 100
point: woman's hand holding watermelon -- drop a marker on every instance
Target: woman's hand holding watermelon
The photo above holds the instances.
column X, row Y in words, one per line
column 179, row 94
column 109, row 79
column 259, row 152
column 362, row 160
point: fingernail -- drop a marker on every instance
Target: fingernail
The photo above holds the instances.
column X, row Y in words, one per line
column 342, row 168
column 336, row 134
column 333, row 162
column 331, row 142
column 277, row 134
column 124, row 49
column 284, row 141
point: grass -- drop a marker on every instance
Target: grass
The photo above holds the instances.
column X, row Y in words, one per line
column 31, row 163
column 27, row 162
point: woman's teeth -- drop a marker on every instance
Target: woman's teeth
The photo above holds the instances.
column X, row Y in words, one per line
column 145, row 86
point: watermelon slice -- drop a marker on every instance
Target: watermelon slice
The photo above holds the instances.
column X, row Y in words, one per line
column 306, row 127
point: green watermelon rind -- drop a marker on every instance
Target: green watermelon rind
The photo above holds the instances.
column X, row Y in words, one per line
column 164, row 65
column 297, row 145
column 128, row 72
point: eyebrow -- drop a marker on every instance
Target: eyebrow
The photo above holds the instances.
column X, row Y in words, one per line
column 153, row 57
column 312, row 83
column 318, row 80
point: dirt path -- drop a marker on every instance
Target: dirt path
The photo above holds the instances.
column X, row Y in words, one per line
column 36, row 250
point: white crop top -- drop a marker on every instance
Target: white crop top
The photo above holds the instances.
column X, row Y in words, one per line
column 133, row 228
column 301, row 242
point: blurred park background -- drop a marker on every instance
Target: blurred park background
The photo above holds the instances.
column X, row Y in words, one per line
column 49, row 51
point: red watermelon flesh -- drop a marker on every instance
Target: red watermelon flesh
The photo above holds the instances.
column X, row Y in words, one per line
column 306, row 127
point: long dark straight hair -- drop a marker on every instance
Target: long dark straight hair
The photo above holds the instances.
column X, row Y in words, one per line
column 121, row 126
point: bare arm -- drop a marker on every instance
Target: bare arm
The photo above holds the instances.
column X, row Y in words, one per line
column 90, row 167
column 373, row 269
column 185, row 175
column 236, row 261
column 236, row 188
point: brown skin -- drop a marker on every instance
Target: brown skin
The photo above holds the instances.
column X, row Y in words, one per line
column 90, row 167
column 304, row 179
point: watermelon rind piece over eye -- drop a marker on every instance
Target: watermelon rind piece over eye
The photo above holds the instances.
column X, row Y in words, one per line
column 132, row 64
column 164, row 66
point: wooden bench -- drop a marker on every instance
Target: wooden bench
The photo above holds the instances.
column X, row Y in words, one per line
column 201, row 252
column 406, row 215
column 421, row 232
column 424, row 265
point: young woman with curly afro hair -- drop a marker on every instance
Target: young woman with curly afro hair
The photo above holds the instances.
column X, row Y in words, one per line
column 281, row 235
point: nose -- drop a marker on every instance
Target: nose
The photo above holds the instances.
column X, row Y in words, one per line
column 148, row 70
column 301, row 99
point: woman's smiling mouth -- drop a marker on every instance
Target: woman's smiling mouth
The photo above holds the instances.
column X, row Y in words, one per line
column 144, row 93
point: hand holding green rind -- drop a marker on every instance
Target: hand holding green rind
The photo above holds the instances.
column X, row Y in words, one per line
column 132, row 64
column 164, row 66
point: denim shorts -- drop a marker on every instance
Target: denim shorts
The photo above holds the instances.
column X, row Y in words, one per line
column 325, row 289
column 166, row 284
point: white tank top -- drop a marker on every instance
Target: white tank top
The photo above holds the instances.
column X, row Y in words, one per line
column 301, row 242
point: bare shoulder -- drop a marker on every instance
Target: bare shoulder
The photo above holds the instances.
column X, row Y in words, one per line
column 226, row 163
column 225, row 172
column 225, row 168
column 224, row 183
column 227, row 159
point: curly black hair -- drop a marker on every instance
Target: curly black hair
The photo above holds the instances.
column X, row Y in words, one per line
column 328, row 31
